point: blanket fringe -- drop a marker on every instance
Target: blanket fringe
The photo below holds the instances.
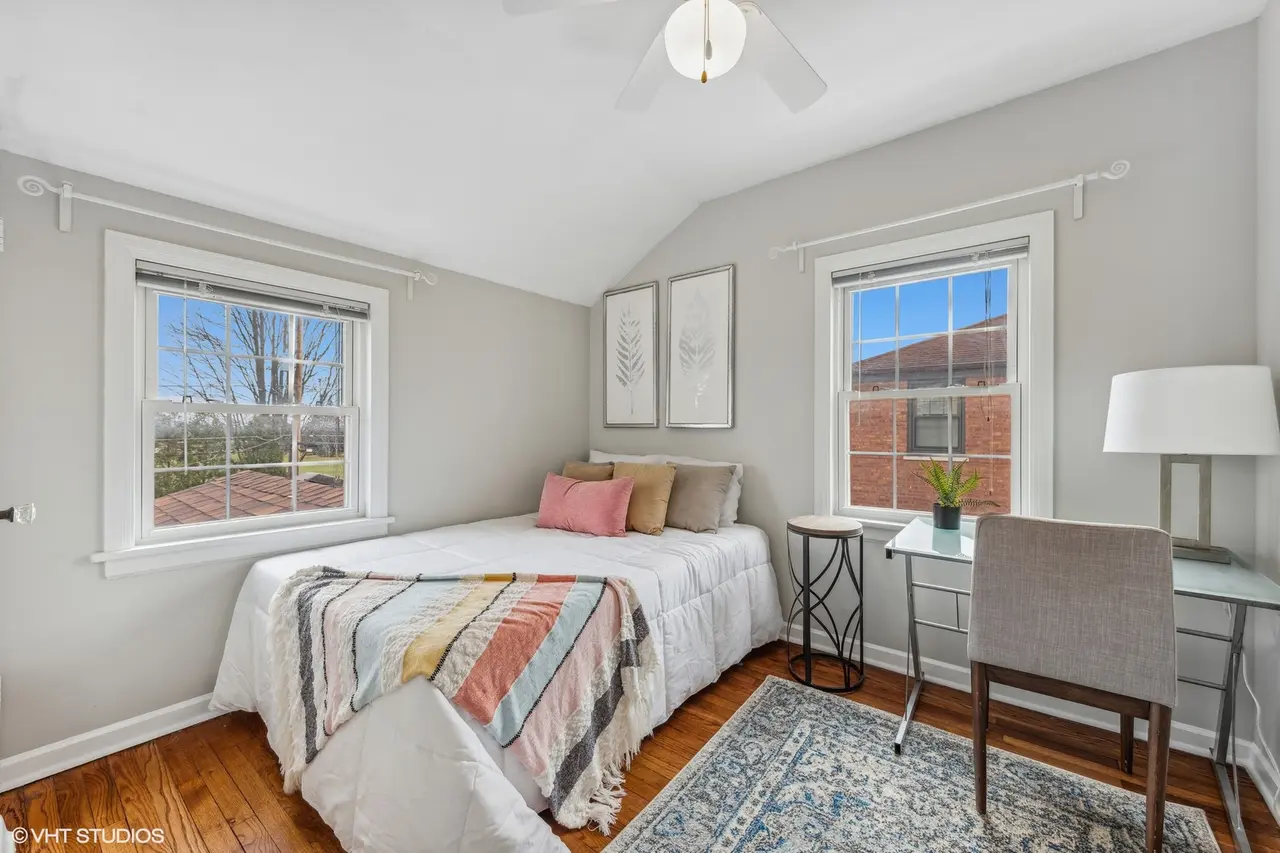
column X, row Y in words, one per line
column 622, row 742
column 606, row 802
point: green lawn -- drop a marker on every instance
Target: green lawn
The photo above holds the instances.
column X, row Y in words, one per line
column 332, row 466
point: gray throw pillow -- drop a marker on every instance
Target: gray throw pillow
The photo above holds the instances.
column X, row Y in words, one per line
column 697, row 496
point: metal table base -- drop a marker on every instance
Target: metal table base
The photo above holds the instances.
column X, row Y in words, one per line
column 915, row 674
column 811, row 602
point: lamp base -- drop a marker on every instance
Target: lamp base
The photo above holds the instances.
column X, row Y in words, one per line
column 1205, row 554
column 1184, row 548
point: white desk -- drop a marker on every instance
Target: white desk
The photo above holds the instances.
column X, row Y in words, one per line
column 1234, row 584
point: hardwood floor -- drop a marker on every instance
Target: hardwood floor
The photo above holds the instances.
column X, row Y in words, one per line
column 215, row 788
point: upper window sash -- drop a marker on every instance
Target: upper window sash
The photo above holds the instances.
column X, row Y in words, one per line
column 887, row 348
column 344, row 358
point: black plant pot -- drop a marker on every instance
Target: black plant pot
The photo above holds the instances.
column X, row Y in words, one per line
column 946, row 517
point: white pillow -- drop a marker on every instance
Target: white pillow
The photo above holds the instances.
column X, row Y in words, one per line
column 601, row 456
column 728, row 512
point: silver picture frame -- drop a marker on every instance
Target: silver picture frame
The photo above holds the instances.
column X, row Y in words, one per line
column 631, row 361
column 700, row 349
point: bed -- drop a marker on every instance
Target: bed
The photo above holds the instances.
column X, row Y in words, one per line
column 411, row 768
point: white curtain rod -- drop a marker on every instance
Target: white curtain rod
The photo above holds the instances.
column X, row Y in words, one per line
column 36, row 186
column 1118, row 170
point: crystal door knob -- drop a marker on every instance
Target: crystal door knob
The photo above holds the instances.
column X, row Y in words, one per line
column 24, row 514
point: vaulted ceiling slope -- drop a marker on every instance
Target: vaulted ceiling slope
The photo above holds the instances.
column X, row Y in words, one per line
column 445, row 131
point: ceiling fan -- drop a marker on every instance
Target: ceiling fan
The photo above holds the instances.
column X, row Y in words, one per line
column 704, row 39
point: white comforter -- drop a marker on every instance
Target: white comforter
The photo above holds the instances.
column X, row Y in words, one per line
column 411, row 773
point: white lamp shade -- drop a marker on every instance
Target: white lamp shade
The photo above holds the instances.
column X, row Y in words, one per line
column 1227, row 410
column 686, row 37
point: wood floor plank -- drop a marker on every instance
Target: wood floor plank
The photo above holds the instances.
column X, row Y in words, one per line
column 248, row 829
column 105, row 805
column 212, row 826
column 151, row 800
column 299, row 810
column 75, row 812
column 14, row 815
column 267, row 800
column 41, row 803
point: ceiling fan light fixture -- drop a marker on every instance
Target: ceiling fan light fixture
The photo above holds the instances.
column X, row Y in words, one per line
column 705, row 37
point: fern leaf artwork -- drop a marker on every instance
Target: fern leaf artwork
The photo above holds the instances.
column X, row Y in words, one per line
column 630, row 365
column 698, row 347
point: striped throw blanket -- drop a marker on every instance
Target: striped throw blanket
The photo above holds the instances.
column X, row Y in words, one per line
column 555, row 667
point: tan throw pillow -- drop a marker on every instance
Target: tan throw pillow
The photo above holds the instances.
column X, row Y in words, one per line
column 588, row 472
column 647, row 512
column 697, row 497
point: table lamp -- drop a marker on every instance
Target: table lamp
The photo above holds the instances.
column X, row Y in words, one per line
column 1189, row 415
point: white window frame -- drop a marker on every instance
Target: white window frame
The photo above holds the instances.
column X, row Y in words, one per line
column 130, row 545
column 1031, row 330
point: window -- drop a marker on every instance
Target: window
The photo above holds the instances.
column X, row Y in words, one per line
column 933, row 428
column 245, row 405
column 930, row 350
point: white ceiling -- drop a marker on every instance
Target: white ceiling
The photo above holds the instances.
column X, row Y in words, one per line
column 445, row 131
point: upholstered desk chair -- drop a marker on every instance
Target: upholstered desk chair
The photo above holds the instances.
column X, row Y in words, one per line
column 1083, row 612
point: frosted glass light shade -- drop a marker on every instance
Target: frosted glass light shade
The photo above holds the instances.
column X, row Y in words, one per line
column 1227, row 410
column 685, row 37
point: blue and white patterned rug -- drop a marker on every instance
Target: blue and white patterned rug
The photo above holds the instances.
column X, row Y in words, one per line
column 799, row 770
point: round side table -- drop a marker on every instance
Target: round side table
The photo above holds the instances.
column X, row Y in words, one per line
column 811, row 601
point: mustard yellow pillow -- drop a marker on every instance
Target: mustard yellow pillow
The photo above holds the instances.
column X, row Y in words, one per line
column 588, row 472
column 647, row 512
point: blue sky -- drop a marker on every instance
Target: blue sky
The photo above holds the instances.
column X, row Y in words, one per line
column 923, row 307
column 211, row 317
column 322, row 340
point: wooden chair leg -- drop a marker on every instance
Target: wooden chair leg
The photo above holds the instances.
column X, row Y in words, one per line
column 986, row 702
column 980, row 691
column 1159, row 725
column 1126, row 743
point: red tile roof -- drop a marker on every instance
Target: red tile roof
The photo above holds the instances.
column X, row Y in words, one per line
column 970, row 350
column 253, row 493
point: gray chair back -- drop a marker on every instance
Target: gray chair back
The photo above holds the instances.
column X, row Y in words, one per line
column 1089, row 604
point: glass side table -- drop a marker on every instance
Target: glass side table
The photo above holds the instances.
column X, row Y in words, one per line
column 810, row 603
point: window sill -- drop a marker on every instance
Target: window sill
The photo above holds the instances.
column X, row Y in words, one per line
column 880, row 527
column 162, row 556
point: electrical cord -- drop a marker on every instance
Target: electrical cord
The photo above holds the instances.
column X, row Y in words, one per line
column 1259, row 737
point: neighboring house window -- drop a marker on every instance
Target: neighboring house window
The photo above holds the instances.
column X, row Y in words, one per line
column 940, row 348
column 933, row 428
column 246, row 405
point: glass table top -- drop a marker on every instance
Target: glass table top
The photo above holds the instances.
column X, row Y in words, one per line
column 921, row 539
column 1234, row 582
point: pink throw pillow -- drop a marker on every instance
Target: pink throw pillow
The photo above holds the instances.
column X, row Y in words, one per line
column 598, row 508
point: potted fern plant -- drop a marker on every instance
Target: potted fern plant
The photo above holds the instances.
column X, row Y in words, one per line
column 951, row 487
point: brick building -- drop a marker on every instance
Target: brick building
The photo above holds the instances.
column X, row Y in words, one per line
column 888, row 434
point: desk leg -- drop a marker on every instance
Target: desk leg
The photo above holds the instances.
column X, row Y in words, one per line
column 1226, row 730
column 913, row 661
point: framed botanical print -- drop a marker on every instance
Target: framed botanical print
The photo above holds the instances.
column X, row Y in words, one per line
column 700, row 349
column 631, row 356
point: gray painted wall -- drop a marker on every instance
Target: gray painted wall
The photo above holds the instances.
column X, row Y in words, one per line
column 488, row 392
column 1266, row 636
column 1159, row 273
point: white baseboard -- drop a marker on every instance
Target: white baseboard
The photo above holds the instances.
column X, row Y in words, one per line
column 1266, row 776
column 27, row 767
column 1186, row 738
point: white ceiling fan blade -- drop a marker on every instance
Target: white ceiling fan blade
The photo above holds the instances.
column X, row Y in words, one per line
column 770, row 52
column 647, row 78
column 530, row 7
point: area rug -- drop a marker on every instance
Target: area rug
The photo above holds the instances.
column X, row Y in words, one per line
column 799, row 770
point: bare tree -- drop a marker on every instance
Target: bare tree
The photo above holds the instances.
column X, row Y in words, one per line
column 247, row 355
